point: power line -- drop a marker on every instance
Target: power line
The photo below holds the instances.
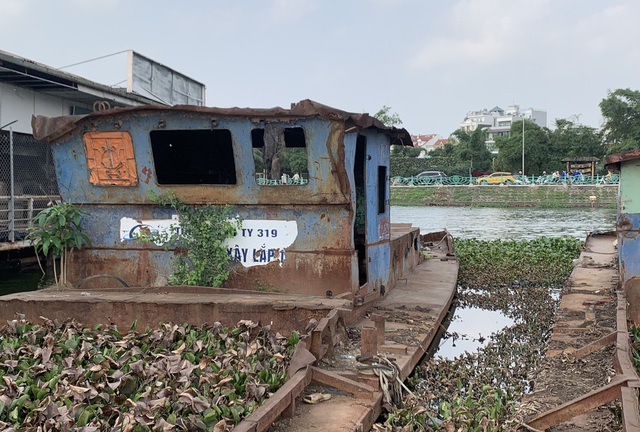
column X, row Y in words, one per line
column 93, row 59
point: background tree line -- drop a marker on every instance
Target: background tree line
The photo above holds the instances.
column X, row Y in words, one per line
column 544, row 148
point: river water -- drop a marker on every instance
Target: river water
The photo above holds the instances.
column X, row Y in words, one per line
column 469, row 327
column 503, row 223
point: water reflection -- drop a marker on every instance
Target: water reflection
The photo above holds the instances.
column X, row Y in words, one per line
column 507, row 223
column 13, row 281
column 470, row 329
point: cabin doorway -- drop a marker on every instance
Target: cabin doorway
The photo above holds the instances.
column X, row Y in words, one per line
column 360, row 223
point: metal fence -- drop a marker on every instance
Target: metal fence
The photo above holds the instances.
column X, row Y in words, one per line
column 27, row 183
column 548, row 180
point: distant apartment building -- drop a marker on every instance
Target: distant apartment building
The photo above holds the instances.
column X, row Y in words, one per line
column 498, row 121
column 428, row 143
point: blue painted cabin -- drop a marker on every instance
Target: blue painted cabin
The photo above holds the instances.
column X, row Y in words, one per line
column 310, row 184
column 628, row 226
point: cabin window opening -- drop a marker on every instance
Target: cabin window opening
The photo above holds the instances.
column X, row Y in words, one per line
column 193, row 156
column 382, row 189
column 280, row 155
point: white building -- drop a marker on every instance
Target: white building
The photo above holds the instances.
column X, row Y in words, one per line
column 498, row 121
column 427, row 143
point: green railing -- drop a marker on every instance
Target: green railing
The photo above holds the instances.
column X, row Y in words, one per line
column 286, row 181
column 548, row 180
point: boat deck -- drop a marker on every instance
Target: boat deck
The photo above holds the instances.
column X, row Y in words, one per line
column 400, row 325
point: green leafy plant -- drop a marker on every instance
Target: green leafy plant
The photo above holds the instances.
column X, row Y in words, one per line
column 204, row 230
column 56, row 232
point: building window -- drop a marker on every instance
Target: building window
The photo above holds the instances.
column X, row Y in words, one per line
column 280, row 155
column 382, row 189
column 193, row 156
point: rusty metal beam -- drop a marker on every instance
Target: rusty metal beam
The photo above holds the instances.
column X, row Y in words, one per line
column 631, row 409
column 329, row 332
column 284, row 401
column 594, row 346
column 580, row 405
column 333, row 379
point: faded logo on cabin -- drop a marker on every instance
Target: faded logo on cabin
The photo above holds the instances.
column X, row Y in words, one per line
column 257, row 242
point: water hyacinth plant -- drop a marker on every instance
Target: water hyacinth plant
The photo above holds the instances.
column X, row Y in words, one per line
column 64, row 376
column 545, row 261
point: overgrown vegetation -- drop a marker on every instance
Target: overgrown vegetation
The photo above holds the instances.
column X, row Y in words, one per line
column 203, row 231
column 635, row 345
column 544, row 261
column 63, row 376
column 480, row 391
column 56, row 232
column 521, row 196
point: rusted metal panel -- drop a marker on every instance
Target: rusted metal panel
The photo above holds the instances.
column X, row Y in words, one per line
column 404, row 250
column 319, row 260
column 110, row 159
column 628, row 228
column 622, row 157
column 141, row 267
column 51, row 129
column 316, row 274
column 631, row 290
column 327, row 181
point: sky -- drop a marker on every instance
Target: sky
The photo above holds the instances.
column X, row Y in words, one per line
column 431, row 62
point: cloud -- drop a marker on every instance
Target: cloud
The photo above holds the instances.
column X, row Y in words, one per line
column 12, row 9
column 481, row 32
column 612, row 28
column 92, row 5
column 287, row 11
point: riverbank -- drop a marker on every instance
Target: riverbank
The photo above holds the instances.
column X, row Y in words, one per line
column 536, row 196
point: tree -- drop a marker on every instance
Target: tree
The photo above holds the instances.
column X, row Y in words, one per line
column 472, row 149
column 536, row 149
column 574, row 140
column 386, row 118
column 405, row 151
column 621, row 111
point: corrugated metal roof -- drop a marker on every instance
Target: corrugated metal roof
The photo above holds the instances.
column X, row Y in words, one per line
column 22, row 72
column 622, row 157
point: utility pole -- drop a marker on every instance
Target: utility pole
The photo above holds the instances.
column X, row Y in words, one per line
column 523, row 146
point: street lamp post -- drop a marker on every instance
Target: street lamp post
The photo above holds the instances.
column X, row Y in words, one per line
column 523, row 146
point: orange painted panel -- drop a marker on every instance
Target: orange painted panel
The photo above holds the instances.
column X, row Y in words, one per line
column 110, row 159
